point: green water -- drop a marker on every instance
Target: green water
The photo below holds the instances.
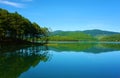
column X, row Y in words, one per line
column 63, row 60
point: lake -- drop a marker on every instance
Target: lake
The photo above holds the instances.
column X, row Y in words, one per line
column 62, row 60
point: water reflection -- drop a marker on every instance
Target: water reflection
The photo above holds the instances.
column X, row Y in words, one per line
column 85, row 47
column 14, row 60
column 79, row 61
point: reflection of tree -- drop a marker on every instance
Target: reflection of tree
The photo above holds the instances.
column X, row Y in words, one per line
column 12, row 64
column 112, row 46
column 71, row 47
column 86, row 47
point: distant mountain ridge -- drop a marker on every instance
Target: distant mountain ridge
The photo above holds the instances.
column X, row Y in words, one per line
column 97, row 32
column 94, row 32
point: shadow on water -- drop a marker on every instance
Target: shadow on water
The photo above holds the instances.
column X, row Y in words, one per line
column 85, row 47
column 14, row 60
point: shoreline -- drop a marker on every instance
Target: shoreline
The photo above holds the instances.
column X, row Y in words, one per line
column 110, row 42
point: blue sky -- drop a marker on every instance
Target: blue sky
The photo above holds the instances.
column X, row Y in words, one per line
column 69, row 14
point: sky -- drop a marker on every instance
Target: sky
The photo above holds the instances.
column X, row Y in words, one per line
column 69, row 15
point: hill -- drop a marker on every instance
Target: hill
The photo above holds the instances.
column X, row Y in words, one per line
column 87, row 35
column 97, row 32
column 70, row 36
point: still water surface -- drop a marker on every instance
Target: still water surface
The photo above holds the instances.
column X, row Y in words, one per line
column 83, row 60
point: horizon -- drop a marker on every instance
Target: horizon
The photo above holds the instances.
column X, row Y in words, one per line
column 88, row 30
column 69, row 15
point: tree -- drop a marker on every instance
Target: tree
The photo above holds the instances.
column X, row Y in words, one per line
column 15, row 26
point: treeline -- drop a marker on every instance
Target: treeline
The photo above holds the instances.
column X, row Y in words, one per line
column 61, row 38
column 115, row 38
column 87, row 35
column 14, row 26
column 70, row 36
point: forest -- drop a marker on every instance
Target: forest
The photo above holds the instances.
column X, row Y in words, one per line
column 70, row 36
column 114, row 38
column 16, row 28
column 86, row 35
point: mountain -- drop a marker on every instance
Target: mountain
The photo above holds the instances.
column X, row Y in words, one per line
column 96, row 32
column 56, row 32
column 87, row 35
column 70, row 36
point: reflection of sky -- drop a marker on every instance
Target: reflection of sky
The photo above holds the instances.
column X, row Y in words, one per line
column 77, row 65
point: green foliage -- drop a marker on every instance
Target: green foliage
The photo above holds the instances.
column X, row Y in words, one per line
column 15, row 26
column 111, row 38
column 71, row 36
column 87, row 35
column 61, row 38
column 96, row 32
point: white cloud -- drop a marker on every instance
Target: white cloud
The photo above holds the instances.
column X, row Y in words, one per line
column 11, row 3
